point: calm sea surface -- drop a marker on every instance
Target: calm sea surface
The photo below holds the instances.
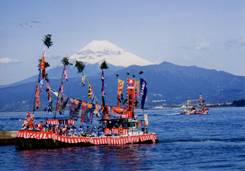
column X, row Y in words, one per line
column 210, row 142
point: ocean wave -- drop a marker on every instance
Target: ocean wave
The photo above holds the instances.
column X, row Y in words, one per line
column 225, row 140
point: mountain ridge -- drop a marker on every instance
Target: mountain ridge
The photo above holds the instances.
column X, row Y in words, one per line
column 167, row 82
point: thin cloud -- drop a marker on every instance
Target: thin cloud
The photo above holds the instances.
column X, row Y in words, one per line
column 29, row 24
column 240, row 42
column 197, row 46
column 202, row 45
column 8, row 61
column 35, row 22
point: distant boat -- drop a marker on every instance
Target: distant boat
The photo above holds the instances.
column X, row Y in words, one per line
column 159, row 107
column 193, row 107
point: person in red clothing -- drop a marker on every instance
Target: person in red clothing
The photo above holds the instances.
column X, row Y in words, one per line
column 40, row 126
column 29, row 121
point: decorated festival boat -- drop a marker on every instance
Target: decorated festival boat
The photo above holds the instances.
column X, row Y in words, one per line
column 194, row 107
column 90, row 122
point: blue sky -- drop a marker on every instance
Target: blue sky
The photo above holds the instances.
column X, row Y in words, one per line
column 207, row 33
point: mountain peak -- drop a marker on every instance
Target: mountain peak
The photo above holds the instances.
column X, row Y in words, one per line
column 98, row 50
column 101, row 45
column 167, row 63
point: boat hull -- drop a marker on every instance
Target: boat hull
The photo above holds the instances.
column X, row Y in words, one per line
column 204, row 112
column 38, row 140
column 196, row 113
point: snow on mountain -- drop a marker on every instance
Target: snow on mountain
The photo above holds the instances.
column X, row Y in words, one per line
column 96, row 51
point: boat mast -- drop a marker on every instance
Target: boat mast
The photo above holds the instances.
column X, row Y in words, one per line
column 43, row 76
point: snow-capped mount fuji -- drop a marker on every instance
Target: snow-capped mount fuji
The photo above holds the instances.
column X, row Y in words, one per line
column 98, row 50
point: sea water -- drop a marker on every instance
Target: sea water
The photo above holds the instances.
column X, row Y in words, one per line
column 196, row 142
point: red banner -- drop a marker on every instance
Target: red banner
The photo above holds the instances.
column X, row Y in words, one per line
column 118, row 140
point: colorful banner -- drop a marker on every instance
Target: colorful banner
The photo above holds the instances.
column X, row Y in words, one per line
column 65, row 101
column 120, row 91
column 65, row 73
column 90, row 91
column 74, row 108
column 137, row 91
column 131, row 98
column 37, row 97
column 60, row 99
column 48, row 90
column 143, row 92
column 137, row 87
column 83, row 112
column 43, row 66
